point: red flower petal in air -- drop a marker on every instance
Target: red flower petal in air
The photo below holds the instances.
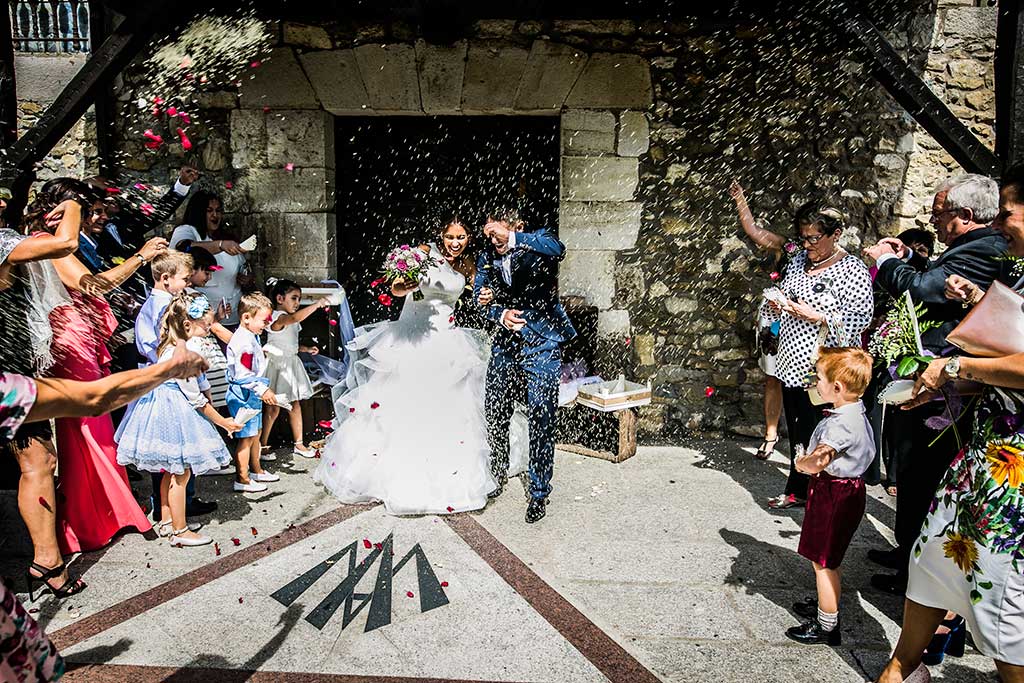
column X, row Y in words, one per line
column 113, row 190
column 384, row 299
column 774, row 276
column 709, row 392
column 325, row 424
column 332, row 322
column 184, row 118
column 146, row 209
column 158, row 100
column 156, row 112
column 45, row 504
column 317, row 455
column 255, row 63
column 629, row 340
column 374, row 405
column 253, row 530
column 367, row 544
column 215, row 268
column 153, row 141
column 186, row 144
column 265, row 109
column 236, row 541
column 172, row 111
column 140, row 186
column 409, row 594
column 229, row 184
column 216, row 549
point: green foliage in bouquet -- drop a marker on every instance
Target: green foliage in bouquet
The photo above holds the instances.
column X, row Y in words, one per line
column 894, row 344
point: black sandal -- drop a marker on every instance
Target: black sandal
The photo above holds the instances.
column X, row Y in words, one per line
column 765, row 451
column 68, row 588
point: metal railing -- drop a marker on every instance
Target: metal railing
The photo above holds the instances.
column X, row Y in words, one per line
column 50, row 25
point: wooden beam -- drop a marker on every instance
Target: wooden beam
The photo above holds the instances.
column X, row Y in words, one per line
column 1009, row 63
column 101, row 23
column 907, row 88
column 8, row 87
column 123, row 44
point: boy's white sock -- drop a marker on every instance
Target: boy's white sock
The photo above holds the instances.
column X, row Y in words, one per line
column 828, row 620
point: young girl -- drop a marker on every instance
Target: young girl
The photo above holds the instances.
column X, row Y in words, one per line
column 164, row 433
column 288, row 379
column 248, row 388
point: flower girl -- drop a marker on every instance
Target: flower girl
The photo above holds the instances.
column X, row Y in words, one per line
column 165, row 432
column 288, row 378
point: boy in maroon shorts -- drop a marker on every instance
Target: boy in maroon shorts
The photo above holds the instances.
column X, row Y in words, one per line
column 840, row 451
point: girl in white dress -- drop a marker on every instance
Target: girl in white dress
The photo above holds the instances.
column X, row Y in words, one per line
column 288, row 378
column 411, row 431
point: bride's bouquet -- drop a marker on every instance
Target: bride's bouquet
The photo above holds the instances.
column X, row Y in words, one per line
column 405, row 263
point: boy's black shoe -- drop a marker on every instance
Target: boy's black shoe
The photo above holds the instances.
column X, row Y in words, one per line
column 806, row 608
column 811, row 633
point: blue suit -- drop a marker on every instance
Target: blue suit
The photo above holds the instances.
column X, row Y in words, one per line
column 528, row 361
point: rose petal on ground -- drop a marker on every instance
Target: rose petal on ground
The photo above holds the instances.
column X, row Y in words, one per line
column 409, row 594
column 351, row 410
column 253, row 530
column 450, row 509
column 444, row 584
column 374, row 405
column 239, row 601
column 367, row 544
column 216, row 549
column 289, row 166
column 236, row 541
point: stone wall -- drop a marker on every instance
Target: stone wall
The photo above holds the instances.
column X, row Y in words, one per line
column 656, row 119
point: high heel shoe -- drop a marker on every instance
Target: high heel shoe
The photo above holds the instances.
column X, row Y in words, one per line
column 943, row 644
column 68, row 588
column 767, row 448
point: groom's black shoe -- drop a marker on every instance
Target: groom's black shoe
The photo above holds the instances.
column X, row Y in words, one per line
column 496, row 492
column 536, row 510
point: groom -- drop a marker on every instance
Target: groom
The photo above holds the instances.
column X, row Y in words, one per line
column 517, row 285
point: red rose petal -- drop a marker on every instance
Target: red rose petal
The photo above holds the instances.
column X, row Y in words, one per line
column 146, row 209
column 332, row 322
column 317, row 455
column 113, row 190
column 376, row 282
column 450, row 509
column 239, row 601
column 709, row 392
column 229, row 184
column 236, row 541
column 184, row 118
column 326, row 424
column 158, row 100
column 265, row 109
column 253, row 530
column 444, row 584
column 629, row 340
column 216, row 549
column 172, row 111
column 186, row 144
column 409, row 594
column 374, row 405
column 140, row 186
column 367, row 544
column 255, row 63
column 45, row 504
column 378, row 546
column 351, row 410
column 289, row 166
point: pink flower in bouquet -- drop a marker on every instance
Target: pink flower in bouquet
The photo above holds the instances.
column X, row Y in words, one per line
column 791, row 248
column 402, row 266
column 404, row 246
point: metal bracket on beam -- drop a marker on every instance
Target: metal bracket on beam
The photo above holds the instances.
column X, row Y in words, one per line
column 917, row 98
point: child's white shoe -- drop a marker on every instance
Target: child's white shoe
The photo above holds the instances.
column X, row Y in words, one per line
column 303, row 451
column 254, row 486
column 164, row 529
column 263, row 476
column 267, row 454
column 177, row 540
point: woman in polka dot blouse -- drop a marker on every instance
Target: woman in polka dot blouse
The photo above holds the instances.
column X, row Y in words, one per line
column 828, row 291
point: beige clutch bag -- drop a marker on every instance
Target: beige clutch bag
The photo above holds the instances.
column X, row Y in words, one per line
column 995, row 327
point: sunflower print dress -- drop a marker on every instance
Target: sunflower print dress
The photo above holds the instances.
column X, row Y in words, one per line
column 970, row 555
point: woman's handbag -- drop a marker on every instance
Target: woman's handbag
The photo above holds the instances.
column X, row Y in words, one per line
column 995, row 327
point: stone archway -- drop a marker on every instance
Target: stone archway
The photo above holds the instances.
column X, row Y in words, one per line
column 283, row 145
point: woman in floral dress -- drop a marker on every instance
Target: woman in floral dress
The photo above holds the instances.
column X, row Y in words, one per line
column 969, row 557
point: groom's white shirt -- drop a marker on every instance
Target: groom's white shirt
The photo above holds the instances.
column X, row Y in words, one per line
column 506, row 259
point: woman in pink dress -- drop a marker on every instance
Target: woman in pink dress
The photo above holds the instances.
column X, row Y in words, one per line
column 94, row 499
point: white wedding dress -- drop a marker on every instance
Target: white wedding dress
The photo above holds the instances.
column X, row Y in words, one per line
column 410, row 431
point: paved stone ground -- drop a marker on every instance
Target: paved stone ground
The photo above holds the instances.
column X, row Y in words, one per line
column 665, row 567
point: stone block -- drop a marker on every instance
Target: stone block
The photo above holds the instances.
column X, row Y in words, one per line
column 599, row 225
column 551, row 69
column 584, row 142
column 634, row 134
column 248, row 138
column 589, row 274
column 335, row 77
column 298, row 245
column 613, row 323
column 970, row 23
column 441, row 72
column 613, row 81
column 492, row 78
column 304, row 138
column 967, row 74
column 279, row 83
column 275, row 189
column 644, row 346
column 306, row 35
column 599, row 179
column 389, row 74
column 584, row 119
column 216, row 99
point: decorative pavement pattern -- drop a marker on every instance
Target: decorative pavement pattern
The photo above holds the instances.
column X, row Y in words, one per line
column 667, row 567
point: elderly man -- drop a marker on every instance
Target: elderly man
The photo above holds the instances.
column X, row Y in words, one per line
column 961, row 212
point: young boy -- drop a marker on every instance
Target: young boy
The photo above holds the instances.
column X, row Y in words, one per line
column 248, row 387
column 840, row 451
column 172, row 271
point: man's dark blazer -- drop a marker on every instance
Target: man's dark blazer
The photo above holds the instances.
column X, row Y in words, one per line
column 975, row 256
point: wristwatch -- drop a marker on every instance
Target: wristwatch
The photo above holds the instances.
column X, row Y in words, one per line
column 142, row 259
column 952, row 368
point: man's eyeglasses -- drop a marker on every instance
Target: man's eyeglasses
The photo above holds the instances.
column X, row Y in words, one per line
column 936, row 217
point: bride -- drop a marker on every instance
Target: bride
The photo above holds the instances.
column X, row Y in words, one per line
column 410, row 430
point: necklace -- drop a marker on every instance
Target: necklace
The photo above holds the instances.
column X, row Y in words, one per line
column 815, row 264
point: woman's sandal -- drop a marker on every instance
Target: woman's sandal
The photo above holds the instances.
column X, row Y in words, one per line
column 765, row 451
column 68, row 588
